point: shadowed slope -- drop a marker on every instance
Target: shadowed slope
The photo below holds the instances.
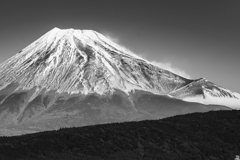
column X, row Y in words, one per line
column 47, row 113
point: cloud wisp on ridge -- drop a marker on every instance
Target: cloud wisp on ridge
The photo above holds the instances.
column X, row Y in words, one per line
column 168, row 66
column 164, row 65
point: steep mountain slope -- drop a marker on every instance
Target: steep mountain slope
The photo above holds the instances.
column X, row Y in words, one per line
column 207, row 136
column 80, row 77
column 75, row 61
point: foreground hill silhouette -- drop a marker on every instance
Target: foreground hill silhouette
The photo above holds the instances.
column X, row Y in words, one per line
column 213, row 135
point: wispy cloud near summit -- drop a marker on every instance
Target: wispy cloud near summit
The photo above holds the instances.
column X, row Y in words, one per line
column 164, row 65
column 114, row 39
column 168, row 66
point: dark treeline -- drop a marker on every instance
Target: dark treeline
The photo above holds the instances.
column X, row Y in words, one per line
column 213, row 135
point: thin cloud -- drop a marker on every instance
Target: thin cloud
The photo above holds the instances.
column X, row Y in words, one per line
column 117, row 41
column 168, row 66
column 114, row 39
column 164, row 65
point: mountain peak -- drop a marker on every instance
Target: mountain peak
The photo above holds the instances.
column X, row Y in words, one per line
column 84, row 61
column 55, row 28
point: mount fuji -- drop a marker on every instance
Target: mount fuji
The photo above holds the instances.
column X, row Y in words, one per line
column 70, row 78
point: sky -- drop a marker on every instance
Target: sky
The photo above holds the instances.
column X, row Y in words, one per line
column 199, row 38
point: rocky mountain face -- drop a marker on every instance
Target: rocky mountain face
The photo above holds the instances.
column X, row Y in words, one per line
column 79, row 77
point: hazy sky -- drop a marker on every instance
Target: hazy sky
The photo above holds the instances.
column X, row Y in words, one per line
column 200, row 38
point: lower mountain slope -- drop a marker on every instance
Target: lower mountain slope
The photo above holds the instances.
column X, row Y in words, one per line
column 51, row 112
column 212, row 136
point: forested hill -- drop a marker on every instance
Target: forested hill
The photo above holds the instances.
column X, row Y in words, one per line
column 213, row 135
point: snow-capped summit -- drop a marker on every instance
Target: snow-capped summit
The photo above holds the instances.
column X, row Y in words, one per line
column 71, row 72
column 84, row 61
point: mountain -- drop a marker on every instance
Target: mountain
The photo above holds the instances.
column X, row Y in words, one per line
column 79, row 77
column 207, row 136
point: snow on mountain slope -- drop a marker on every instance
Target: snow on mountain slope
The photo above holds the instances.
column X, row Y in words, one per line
column 216, row 97
column 203, row 91
column 76, row 61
